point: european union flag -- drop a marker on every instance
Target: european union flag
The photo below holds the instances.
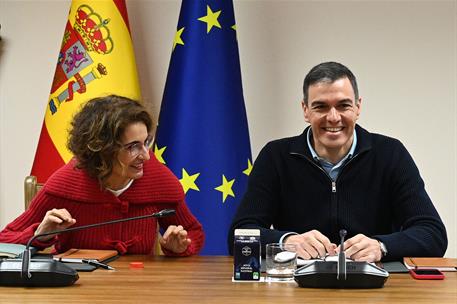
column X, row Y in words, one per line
column 203, row 132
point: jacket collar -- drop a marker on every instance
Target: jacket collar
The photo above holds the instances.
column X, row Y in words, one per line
column 300, row 146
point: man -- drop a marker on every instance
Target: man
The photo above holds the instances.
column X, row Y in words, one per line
column 337, row 175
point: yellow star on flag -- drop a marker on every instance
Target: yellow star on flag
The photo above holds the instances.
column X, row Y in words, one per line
column 210, row 19
column 158, row 153
column 226, row 188
column 178, row 39
column 188, row 181
column 234, row 28
column 249, row 169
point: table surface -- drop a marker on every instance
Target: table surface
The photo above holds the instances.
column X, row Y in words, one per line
column 207, row 279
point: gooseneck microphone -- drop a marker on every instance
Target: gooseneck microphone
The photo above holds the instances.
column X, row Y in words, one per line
column 17, row 272
column 26, row 255
column 341, row 273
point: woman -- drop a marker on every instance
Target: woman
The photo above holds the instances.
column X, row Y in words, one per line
column 113, row 175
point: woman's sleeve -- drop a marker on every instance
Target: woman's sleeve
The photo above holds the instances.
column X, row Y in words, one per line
column 193, row 227
column 23, row 228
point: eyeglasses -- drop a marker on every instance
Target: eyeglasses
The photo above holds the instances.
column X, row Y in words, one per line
column 136, row 148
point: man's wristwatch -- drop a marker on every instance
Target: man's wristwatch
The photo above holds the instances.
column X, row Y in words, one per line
column 383, row 248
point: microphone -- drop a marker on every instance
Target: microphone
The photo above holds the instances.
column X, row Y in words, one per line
column 341, row 273
column 48, row 272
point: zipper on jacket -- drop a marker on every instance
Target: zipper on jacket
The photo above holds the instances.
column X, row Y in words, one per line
column 333, row 183
column 344, row 166
column 333, row 198
column 334, row 203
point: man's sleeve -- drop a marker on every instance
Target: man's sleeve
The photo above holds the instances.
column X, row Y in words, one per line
column 260, row 202
column 421, row 231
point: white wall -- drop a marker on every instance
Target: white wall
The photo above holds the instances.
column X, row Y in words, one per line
column 403, row 53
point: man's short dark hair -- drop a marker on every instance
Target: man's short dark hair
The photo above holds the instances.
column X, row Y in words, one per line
column 328, row 72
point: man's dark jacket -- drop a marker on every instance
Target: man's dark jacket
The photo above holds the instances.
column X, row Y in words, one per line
column 379, row 193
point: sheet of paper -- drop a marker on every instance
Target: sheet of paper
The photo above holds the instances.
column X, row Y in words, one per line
column 329, row 258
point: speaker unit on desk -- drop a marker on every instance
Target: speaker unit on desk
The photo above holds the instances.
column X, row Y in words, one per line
column 322, row 274
column 44, row 272
column 341, row 274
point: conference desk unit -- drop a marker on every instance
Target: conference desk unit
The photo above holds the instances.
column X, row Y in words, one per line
column 207, row 279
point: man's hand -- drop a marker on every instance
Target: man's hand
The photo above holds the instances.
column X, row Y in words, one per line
column 175, row 239
column 362, row 248
column 311, row 244
column 55, row 219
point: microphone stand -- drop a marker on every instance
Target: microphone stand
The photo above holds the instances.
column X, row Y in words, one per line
column 341, row 265
column 26, row 255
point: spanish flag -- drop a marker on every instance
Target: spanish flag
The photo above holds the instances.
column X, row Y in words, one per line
column 96, row 58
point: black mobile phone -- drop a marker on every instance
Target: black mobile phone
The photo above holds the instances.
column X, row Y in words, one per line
column 426, row 274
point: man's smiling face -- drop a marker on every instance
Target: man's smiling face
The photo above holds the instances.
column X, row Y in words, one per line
column 332, row 112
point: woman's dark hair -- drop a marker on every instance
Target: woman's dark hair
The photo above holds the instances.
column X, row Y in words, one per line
column 96, row 130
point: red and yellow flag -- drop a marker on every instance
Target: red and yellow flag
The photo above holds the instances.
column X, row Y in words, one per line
column 96, row 58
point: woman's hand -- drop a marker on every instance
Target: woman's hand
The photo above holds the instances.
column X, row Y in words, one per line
column 175, row 239
column 55, row 219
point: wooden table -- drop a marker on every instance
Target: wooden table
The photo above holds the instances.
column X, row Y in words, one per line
column 208, row 280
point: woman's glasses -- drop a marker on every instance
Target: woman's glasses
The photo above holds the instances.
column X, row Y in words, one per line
column 136, row 148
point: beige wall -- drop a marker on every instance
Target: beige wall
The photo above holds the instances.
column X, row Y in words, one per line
column 403, row 52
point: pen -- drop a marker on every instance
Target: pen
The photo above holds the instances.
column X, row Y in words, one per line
column 98, row 264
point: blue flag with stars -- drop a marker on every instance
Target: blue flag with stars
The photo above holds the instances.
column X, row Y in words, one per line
column 203, row 131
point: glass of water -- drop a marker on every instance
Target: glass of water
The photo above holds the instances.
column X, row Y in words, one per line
column 281, row 262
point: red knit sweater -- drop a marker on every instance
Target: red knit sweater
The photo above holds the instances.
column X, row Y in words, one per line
column 88, row 203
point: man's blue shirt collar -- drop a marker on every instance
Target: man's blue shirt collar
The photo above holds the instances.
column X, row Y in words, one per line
column 331, row 169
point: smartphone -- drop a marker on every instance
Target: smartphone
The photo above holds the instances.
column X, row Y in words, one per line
column 426, row 274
